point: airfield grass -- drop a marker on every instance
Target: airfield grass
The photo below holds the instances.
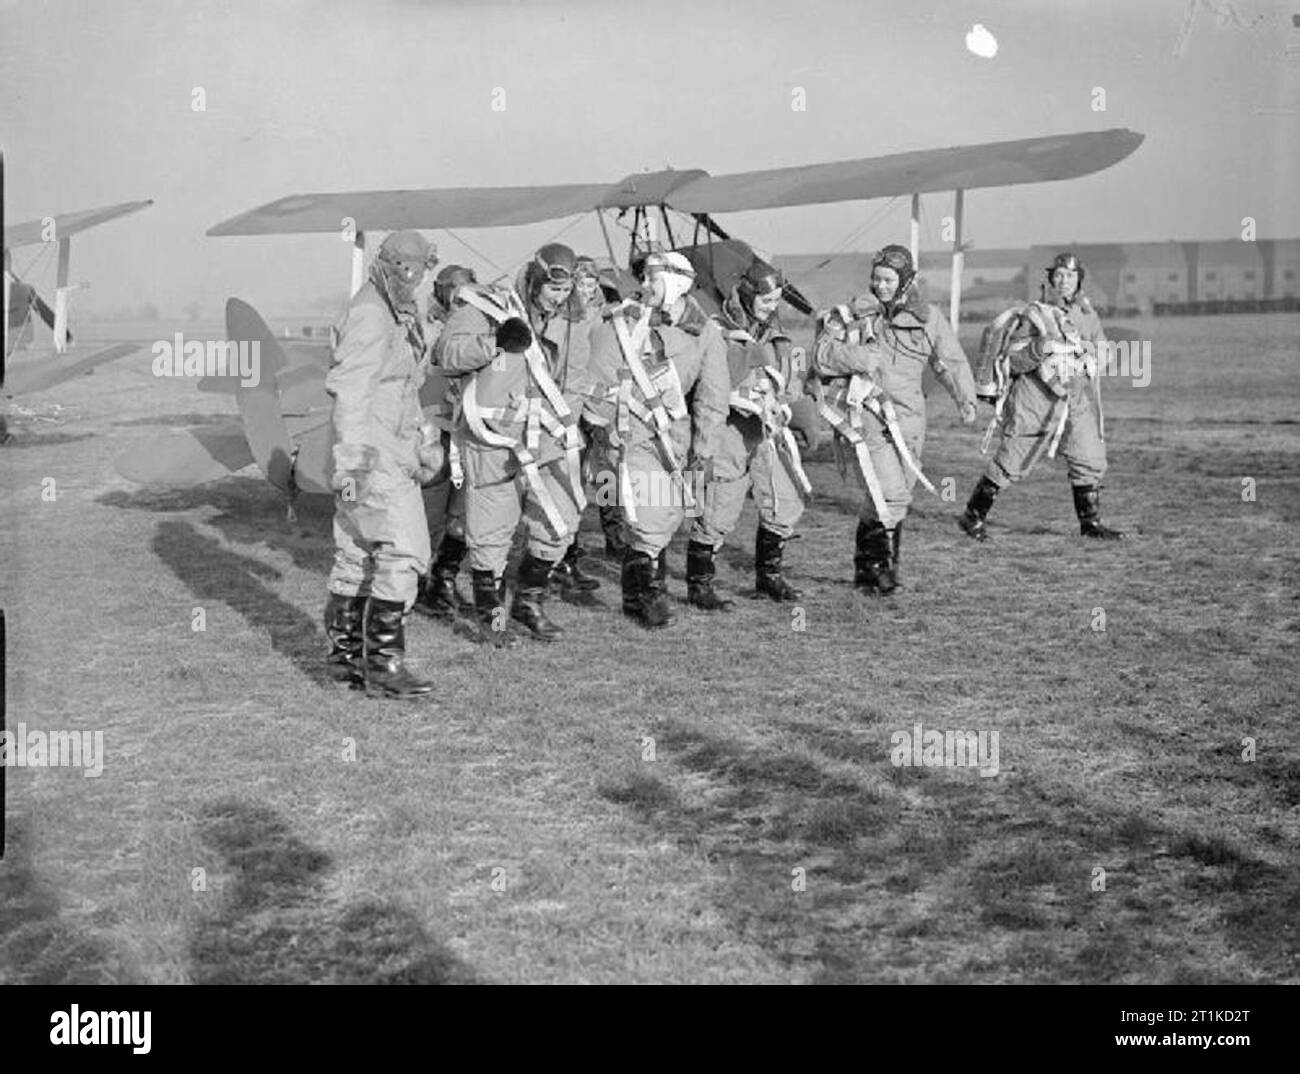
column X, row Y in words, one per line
column 515, row 830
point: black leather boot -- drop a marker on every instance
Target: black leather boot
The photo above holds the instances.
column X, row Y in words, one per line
column 1087, row 505
column 385, row 664
column 699, row 579
column 977, row 509
column 529, row 606
column 895, row 542
column 771, row 582
column 611, row 524
column 345, row 629
column 439, row 598
column 645, row 596
column 872, row 573
column 489, row 609
column 569, row 575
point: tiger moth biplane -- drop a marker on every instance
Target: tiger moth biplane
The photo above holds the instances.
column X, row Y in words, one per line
column 285, row 417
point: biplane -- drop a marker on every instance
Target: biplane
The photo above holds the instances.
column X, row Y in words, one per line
column 42, row 369
column 298, row 460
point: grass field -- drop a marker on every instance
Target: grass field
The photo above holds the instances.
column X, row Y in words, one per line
column 518, row 829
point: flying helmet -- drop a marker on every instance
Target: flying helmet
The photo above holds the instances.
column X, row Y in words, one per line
column 449, row 280
column 679, row 276
column 1066, row 260
column 407, row 255
column 898, row 258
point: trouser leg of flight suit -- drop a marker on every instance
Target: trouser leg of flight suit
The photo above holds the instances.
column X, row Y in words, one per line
column 1034, row 411
column 381, row 540
column 724, row 497
column 1081, row 443
column 896, row 480
column 1027, row 430
column 498, row 496
column 779, row 499
column 658, row 500
column 543, row 543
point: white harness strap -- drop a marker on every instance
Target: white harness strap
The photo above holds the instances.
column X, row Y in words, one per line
column 446, row 417
column 883, row 409
column 650, row 409
column 847, row 421
column 761, row 401
column 563, row 425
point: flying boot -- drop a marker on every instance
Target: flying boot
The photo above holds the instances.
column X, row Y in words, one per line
column 344, row 627
column 386, row 673
column 439, row 597
column 771, row 582
column 871, row 569
column 977, row 509
column 529, row 607
column 700, row 571
column 1087, row 505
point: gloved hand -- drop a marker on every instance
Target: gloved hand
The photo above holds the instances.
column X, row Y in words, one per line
column 833, row 322
column 704, row 464
column 514, row 336
column 1058, row 365
column 805, row 423
column 352, row 466
column 431, row 456
column 968, row 413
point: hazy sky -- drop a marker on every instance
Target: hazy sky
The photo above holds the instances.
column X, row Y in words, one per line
column 96, row 107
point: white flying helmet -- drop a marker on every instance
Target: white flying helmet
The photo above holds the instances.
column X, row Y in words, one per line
column 679, row 276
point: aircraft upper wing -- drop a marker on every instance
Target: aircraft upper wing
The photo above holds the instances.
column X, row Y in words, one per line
column 1030, row 160
column 67, row 224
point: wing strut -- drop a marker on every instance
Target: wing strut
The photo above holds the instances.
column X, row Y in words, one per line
column 358, row 262
column 916, row 232
column 61, row 297
column 609, row 246
column 958, row 257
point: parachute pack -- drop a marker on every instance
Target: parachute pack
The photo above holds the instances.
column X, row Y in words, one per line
column 1001, row 337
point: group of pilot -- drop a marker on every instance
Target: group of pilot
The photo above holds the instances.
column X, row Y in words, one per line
column 470, row 412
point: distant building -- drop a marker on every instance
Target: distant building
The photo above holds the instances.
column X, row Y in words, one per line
column 1233, row 276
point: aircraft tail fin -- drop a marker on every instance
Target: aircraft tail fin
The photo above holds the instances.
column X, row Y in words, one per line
column 259, row 403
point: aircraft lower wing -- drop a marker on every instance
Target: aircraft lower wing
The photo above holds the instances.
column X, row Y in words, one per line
column 187, row 457
column 39, row 376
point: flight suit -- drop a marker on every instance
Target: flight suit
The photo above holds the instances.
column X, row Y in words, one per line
column 694, row 384
column 381, row 537
column 503, row 408
column 894, row 352
column 751, row 456
column 444, row 502
column 1034, row 405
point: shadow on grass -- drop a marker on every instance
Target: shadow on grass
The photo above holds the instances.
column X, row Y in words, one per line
column 220, row 576
column 1002, row 878
column 37, row 946
column 251, row 512
column 275, row 925
column 25, row 437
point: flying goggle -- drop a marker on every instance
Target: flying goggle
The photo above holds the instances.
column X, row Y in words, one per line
column 655, row 264
column 553, row 273
column 409, row 269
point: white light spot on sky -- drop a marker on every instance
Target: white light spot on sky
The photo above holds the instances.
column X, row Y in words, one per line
column 981, row 42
